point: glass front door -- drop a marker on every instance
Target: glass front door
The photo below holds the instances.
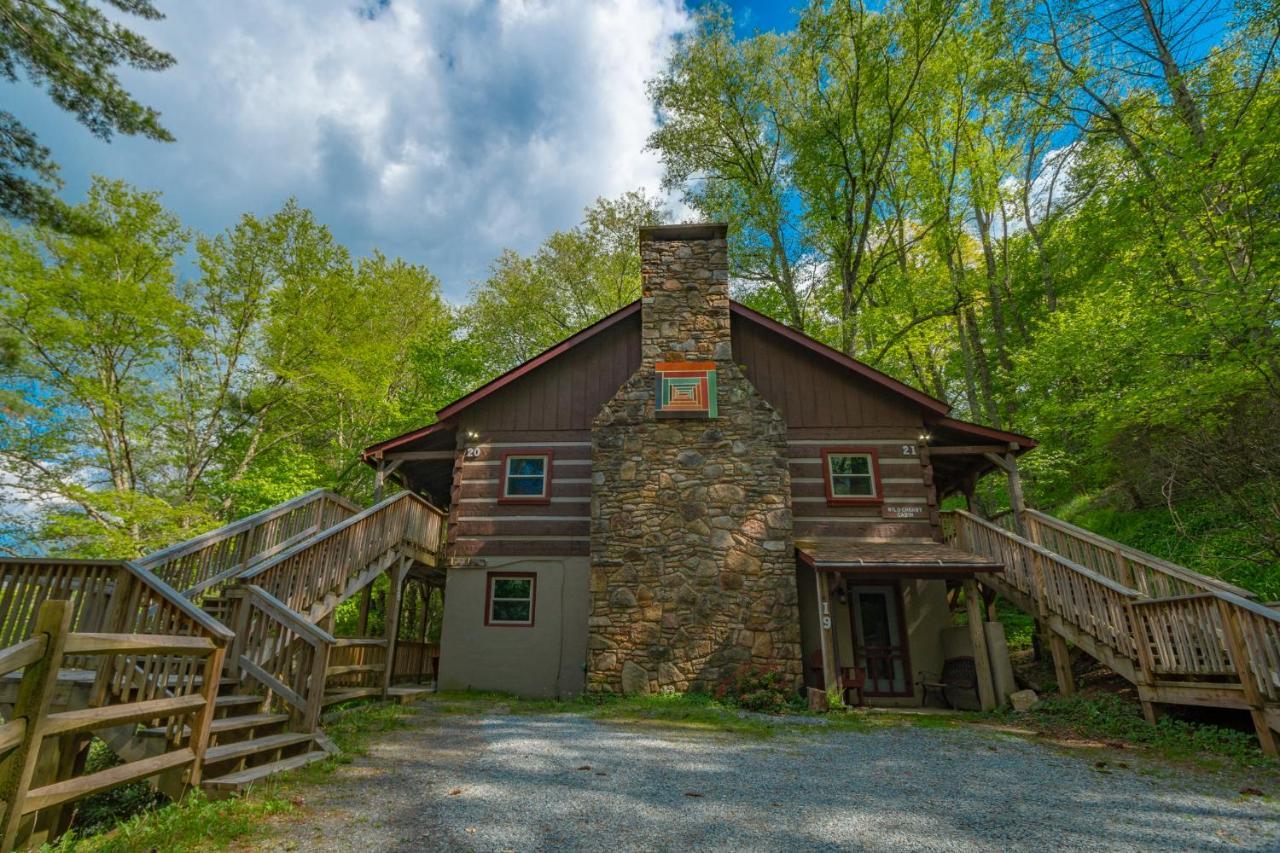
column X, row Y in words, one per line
column 881, row 648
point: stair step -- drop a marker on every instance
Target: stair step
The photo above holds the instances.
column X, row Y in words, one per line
column 246, row 721
column 241, row 778
column 225, row 724
column 240, row 749
column 231, row 701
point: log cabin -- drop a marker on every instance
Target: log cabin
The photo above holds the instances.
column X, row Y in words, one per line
column 688, row 487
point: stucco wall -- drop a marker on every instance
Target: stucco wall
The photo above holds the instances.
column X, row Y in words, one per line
column 545, row 659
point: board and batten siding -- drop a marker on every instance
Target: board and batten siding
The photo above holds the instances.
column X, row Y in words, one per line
column 813, row 392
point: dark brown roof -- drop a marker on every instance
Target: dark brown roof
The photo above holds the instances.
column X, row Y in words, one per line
column 905, row 558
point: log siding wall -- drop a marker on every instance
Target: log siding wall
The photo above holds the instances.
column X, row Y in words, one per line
column 481, row 526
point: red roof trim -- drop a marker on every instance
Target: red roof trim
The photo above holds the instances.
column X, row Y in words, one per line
column 841, row 359
column 382, row 446
column 538, row 360
column 985, row 432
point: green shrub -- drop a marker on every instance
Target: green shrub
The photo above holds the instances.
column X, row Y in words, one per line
column 106, row 809
column 1108, row 716
column 755, row 688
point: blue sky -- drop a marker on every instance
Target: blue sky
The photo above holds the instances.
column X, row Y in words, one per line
column 437, row 130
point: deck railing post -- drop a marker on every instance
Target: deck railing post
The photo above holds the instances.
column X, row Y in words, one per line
column 1244, row 672
column 1146, row 666
column 316, row 685
column 199, row 739
column 32, row 705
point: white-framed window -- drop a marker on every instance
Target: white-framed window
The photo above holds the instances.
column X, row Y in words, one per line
column 526, row 477
column 852, row 475
column 509, row 599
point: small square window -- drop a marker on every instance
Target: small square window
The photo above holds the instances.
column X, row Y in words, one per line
column 526, row 477
column 851, row 476
column 510, row 599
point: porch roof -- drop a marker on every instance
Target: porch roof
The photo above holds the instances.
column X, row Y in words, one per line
column 893, row 559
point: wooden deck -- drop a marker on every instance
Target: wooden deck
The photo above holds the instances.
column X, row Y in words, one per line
column 219, row 685
column 1180, row 637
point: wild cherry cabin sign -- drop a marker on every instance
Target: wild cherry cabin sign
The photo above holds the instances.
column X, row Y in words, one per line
column 686, row 389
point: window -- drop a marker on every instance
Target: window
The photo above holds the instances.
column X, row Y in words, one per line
column 851, row 475
column 509, row 598
column 526, row 477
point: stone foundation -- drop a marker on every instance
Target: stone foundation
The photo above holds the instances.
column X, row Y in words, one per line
column 692, row 560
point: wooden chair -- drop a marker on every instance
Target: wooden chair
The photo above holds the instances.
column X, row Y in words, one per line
column 959, row 677
column 852, row 679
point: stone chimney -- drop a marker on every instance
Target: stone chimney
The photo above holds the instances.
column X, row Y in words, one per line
column 684, row 294
column 692, row 560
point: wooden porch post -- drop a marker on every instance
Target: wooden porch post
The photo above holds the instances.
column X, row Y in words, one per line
column 1062, row 664
column 379, row 480
column 826, row 635
column 365, row 595
column 1016, row 500
column 978, row 639
column 393, row 618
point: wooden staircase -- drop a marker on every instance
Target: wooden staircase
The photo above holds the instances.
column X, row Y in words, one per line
column 1182, row 638
column 220, row 685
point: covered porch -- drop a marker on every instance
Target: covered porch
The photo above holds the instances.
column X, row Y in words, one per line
column 879, row 625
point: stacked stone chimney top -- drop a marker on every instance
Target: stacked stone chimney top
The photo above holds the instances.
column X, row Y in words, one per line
column 684, row 294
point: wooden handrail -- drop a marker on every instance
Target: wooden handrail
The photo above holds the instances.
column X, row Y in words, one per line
column 1047, row 554
column 1208, row 634
column 98, row 585
column 1160, row 565
column 189, row 546
column 287, row 617
column 317, row 571
column 282, row 651
column 201, row 564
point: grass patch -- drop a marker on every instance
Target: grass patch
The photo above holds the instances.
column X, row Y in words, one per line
column 198, row 823
column 195, row 823
column 681, row 710
column 1107, row 717
column 696, row 712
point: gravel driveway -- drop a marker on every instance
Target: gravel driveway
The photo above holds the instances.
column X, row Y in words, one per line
column 567, row 782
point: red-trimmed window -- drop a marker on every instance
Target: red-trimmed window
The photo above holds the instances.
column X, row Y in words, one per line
column 851, row 475
column 509, row 598
column 525, row 477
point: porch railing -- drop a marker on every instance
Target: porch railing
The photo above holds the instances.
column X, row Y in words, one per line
column 312, row 576
column 1146, row 573
column 1209, row 646
column 201, row 566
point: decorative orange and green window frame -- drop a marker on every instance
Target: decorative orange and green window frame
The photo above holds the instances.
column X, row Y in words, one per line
column 686, row 389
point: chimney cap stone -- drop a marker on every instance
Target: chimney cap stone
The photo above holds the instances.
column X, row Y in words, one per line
column 695, row 231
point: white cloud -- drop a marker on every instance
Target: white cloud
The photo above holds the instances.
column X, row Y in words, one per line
column 437, row 130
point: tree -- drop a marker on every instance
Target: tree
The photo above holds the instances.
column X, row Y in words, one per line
column 71, row 49
column 93, row 322
column 1056, row 215
column 142, row 406
column 573, row 279
column 720, row 137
